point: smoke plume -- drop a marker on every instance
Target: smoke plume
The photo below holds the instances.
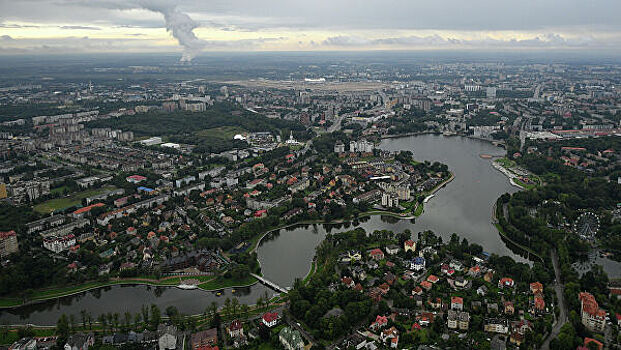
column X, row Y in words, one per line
column 180, row 25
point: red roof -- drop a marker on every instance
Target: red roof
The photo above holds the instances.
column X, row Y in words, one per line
column 506, row 281
column 236, row 325
column 590, row 306
column 380, row 320
column 536, row 286
column 270, row 316
column 87, row 209
column 457, row 300
column 7, row 234
column 433, row 279
column 137, row 177
column 207, row 347
column 409, row 243
column 588, row 341
column 540, row 304
column 377, row 252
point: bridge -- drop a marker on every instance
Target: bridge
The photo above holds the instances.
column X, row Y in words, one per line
column 270, row 284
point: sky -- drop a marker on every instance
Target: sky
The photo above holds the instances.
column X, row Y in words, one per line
column 192, row 26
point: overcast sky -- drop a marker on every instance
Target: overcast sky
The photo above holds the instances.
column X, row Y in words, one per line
column 192, row 26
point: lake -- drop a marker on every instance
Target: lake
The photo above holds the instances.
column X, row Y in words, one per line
column 463, row 206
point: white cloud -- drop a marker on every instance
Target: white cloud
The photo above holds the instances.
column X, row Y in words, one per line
column 550, row 40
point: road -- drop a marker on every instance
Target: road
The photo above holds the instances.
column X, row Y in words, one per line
column 558, row 288
column 309, row 338
column 337, row 124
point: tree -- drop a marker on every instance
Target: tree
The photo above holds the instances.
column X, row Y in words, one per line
column 84, row 318
column 155, row 316
column 266, row 300
column 102, row 321
column 72, row 322
column 137, row 320
column 145, row 313
column 127, row 320
column 244, row 310
column 234, row 307
column 62, row 327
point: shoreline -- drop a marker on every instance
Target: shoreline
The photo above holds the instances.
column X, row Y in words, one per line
column 508, row 174
column 361, row 215
column 118, row 283
column 16, row 302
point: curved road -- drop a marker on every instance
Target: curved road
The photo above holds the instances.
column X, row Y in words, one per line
column 558, row 288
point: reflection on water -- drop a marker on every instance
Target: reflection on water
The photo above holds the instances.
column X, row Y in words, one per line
column 128, row 298
column 464, row 206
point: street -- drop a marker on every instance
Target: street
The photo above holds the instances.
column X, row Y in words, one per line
column 558, row 288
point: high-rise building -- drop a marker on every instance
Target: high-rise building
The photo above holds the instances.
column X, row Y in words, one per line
column 490, row 92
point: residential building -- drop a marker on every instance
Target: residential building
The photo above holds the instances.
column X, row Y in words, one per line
column 24, row 344
column 167, row 337
column 80, row 341
column 58, row 244
column 205, row 338
column 235, row 329
column 496, row 326
column 8, row 243
column 270, row 319
column 291, row 339
column 409, row 245
column 593, row 317
column 457, row 303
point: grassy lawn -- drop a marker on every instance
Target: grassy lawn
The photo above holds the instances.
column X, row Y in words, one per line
column 221, row 283
column 223, row 132
column 60, row 189
column 266, row 346
column 66, row 202
column 505, row 162
column 8, row 338
column 313, row 270
column 419, row 210
column 524, row 184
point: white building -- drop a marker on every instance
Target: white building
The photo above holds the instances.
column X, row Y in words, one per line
column 59, row 244
column 389, row 201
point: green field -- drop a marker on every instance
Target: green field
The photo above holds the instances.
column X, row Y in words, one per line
column 506, row 162
column 66, row 202
column 59, row 190
column 222, row 132
column 220, row 283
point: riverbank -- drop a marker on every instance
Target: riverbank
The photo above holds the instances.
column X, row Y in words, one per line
column 505, row 236
column 208, row 284
column 505, row 166
column 256, row 242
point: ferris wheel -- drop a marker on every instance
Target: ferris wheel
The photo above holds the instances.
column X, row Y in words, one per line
column 587, row 225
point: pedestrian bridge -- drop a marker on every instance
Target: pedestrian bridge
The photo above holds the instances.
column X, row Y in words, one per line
column 270, row 284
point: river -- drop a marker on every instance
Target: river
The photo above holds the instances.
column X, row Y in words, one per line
column 463, row 206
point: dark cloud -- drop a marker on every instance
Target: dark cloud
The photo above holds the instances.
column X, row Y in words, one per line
column 16, row 26
column 339, row 14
